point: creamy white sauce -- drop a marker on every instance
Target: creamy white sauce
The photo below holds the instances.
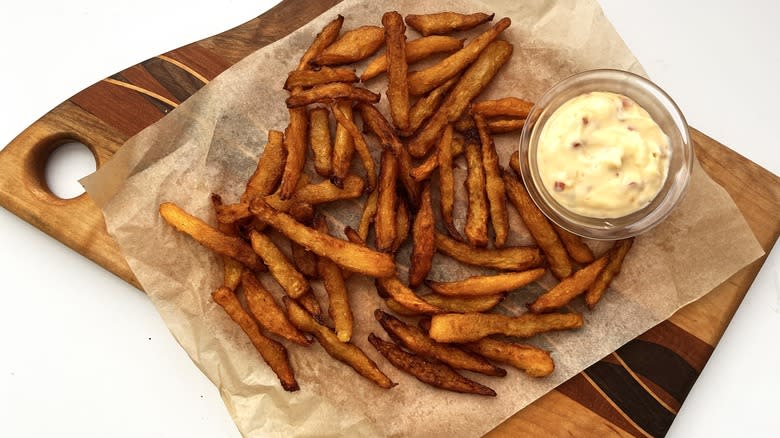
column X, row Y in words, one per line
column 601, row 155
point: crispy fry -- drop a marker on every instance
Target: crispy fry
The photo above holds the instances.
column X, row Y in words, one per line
column 416, row 50
column 231, row 268
column 310, row 303
column 319, row 137
column 532, row 360
column 477, row 216
column 328, row 93
column 423, row 81
column 269, row 170
column 504, row 107
column 325, row 75
column 384, row 222
column 427, row 105
column 471, row 83
column 319, row 193
column 568, row 288
column 539, row 227
column 447, row 182
column 305, row 262
column 446, row 22
column 350, row 256
column 353, row 46
column 325, row 38
column 496, row 125
column 402, row 225
column 343, row 351
column 425, row 169
column 479, row 285
column 353, row 236
column 367, row 217
column 338, row 298
column 270, row 315
column 209, row 236
column 397, row 89
column 514, row 163
column 273, row 353
column 343, row 145
column 292, row 281
column 470, row 327
column 424, row 246
column 405, row 296
column 433, row 373
column 577, row 249
column 517, row 258
column 360, row 146
column 494, row 185
column 451, row 304
column 418, row 342
column 295, row 144
column 616, row 255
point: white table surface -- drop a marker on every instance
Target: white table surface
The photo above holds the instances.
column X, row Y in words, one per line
column 84, row 354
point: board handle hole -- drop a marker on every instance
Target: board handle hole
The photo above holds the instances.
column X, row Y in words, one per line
column 68, row 161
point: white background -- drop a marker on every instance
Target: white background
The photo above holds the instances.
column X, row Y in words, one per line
column 84, row 354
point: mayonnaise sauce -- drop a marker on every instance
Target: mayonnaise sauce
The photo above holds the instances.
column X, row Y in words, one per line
column 601, row 155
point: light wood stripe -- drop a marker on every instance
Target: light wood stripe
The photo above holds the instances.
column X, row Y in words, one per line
column 615, row 406
column 151, row 94
column 642, row 384
column 185, row 68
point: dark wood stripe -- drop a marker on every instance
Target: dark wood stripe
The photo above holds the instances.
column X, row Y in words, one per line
column 660, row 365
column 138, row 75
column 201, row 60
column 178, row 81
column 691, row 349
column 126, row 110
column 161, row 105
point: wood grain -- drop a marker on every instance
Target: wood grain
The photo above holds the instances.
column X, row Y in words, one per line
column 635, row 391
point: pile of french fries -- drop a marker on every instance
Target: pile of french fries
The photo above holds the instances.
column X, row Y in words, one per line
column 433, row 121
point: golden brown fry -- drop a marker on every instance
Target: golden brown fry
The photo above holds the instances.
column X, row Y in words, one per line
column 500, row 125
column 327, row 93
column 397, row 89
column 504, row 107
column 273, row 353
column 471, row 83
column 539, row 227
column 319, row 137
column 338, row 297
column 283, row 271
column 423, row 81
column 319, row 193
column 447, row 182
column 310, row 303
column 568, row 288
column 446, row 22
column 416, row 50
column 451, row 304
column 325, row 75
column 418, row 342
column 367, row 217
column 477, row 215
column 433, row 373
column 325, row 38
column 425, row 169
column 402, row 225
column 305, row 262
column 424, row 245
column 533, row 360
column 577, row 249
column 343, row 146
column 231, row 268
column 487, row 284
column 353, row 236
column 518, row 258
column 616, row 255
column 350, row 256
column 360, row 146
column 353, row 46
column 427, row 105
column 295, row 144
column 269, row 170
column 494, row 185
column 405, row 296
column 384, row 222
column 343, row 351
column 270, row 315
column 470, row 327
column 514, row 163
column 209, row 236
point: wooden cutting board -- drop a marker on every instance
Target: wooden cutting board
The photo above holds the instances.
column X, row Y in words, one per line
column 636, row 390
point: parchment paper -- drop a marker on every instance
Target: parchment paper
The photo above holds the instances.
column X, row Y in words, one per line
column 210, row 144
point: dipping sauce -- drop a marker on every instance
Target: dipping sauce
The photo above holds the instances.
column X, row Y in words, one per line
column 601, row 155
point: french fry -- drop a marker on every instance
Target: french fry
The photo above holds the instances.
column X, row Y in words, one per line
column 480, row 285
column 432, row 373
column 427, row 105
column 514, row 163
column 423, row 81
column 616, row 255
column 451, row 304
column 305, row 262
column 494, row 185
column 350, row 256
column 292, row 281
column 416, row 50
column 475, row 230
column 360, row 146
column 325, row 75
column 504, row 107
column 539, row 227
column 343, row 351
column 425, row 169
column 384, row 222
column 418, row 342
column 269, row 170
column 397, row 89
column 210, row 237
column 273, row 353
column 568, row 288
column 476, row 77
column 232, row 269
column 310, row 303
column 338, row 298
column 353, row 46
column 446, row 22
column 320, row 193
column 405, row 296
column 402, row 225
column 343, row 146
column 367, row 217
column 577, row 249
column 470, row 327
column 325, row 38
column 424, row 246
column 532, row 360
column 321, row 145
column 496, row 125
column 517, row 258
column 328, row 93
column 270, row 315
column 447, row 183
column 295, row 144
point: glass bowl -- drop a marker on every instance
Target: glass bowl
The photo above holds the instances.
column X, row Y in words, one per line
column 660, row 107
